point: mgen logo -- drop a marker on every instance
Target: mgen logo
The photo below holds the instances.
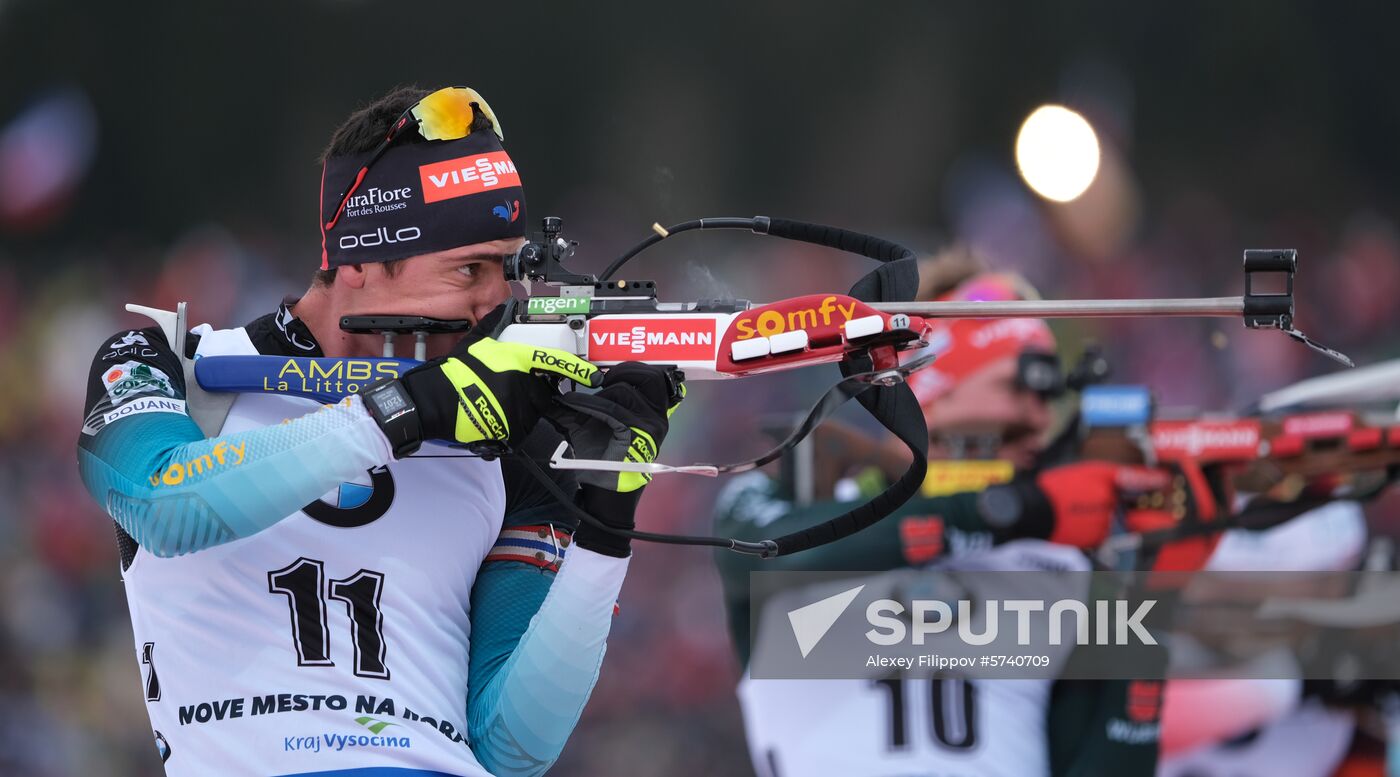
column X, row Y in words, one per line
column 654, row 339
column 467, row 175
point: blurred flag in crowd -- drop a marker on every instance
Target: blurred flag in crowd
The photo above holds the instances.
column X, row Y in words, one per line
column 45, row 152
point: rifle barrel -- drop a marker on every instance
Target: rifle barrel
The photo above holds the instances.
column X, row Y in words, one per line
column 1069, row 308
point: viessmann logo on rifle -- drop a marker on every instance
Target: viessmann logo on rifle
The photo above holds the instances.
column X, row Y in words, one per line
column 654, row 339
column 1205, row 439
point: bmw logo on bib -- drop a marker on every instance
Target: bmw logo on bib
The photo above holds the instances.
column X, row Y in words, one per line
column 355, row 504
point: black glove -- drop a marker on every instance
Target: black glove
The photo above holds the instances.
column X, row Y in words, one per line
column 489, row 391
column 626, row 420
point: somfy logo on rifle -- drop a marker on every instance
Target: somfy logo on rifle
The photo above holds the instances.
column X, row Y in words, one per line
column 801, row 313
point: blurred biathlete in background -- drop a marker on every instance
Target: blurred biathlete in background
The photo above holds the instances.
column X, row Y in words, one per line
column 985, row 396
column 1258, row 728
column 307, row 595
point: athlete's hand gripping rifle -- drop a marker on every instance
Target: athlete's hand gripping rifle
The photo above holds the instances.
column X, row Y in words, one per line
column 610, row 321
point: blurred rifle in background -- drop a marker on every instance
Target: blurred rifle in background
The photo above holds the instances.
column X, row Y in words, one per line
column 1320, row 440
column 1323, row 439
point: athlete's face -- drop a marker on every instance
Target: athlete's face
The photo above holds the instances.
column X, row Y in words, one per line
column 459, row 283
column 989, row 402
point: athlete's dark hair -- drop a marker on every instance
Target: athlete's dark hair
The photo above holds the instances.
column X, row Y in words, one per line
column 366, row 128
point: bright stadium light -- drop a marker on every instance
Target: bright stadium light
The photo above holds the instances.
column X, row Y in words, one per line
column 1057, row 153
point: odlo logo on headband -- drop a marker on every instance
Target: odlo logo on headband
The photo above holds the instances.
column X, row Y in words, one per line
column 467, row 175
column 380, row 236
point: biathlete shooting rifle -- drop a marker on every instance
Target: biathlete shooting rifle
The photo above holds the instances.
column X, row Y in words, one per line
column 610, row 321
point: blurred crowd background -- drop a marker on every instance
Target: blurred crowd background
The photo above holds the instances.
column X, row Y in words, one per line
column 157, row 152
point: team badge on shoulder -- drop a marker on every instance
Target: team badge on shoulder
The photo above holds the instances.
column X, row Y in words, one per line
column 132, row 379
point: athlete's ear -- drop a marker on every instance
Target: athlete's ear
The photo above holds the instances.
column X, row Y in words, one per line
column 352, row 274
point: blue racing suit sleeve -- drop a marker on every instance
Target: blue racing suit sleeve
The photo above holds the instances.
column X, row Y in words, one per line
column 538, row 636
column 542, row 639
column 147, row 463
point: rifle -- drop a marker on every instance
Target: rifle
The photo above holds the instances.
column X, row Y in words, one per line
column 864, row 332
column 1317, row 441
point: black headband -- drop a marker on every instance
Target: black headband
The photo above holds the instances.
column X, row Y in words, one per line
column 419, row 198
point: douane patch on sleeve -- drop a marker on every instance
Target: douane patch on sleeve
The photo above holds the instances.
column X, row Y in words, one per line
column 145, row 405
column 542, row 546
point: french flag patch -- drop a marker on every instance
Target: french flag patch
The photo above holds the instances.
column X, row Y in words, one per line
column 542, row 546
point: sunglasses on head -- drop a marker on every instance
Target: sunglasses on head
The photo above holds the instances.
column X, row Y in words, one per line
column 446, row 114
